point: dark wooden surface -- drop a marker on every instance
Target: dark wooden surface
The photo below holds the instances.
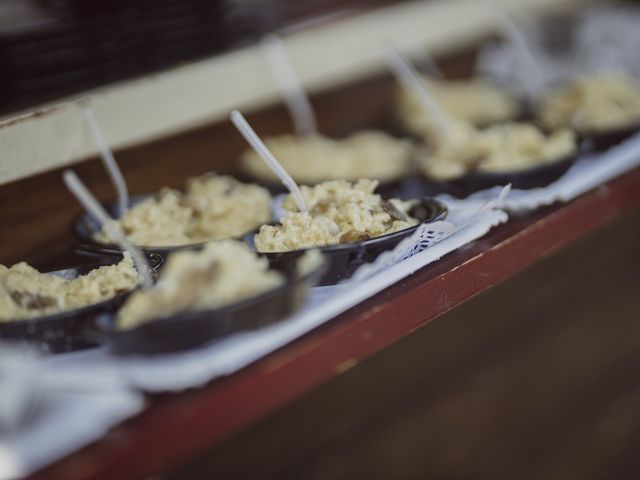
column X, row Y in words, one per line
column 211, row 416
column 536, row 378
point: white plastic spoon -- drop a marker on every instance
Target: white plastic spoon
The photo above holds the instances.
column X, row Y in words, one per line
column 295, row 97
column 410, row 79
column 263, row 152
column 108, row 160
column 91, row 205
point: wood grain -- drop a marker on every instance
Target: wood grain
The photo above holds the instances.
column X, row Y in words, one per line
column 535, row 378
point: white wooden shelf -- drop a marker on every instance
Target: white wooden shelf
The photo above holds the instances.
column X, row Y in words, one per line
column 193, row 95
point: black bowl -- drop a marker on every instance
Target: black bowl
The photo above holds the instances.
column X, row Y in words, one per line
column 192, row 329
column 85, row 226
column 525, row 179
column 69, row 330
column 345, row 258
column 601, row 141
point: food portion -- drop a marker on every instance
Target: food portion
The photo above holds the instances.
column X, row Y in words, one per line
column 220, row 274
column 469, row 101
column 27, row 293
column 598, row 103
column 501, row 148
column 212, row 207
column 338, row 212
column 314, row 159
column 160, row 220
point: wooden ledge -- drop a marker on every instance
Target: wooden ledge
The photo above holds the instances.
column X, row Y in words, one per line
column 178, row 427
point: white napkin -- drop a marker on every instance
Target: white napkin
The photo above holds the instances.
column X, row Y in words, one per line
column 47, row 412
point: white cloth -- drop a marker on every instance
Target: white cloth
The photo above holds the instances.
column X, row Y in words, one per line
column 55, row 411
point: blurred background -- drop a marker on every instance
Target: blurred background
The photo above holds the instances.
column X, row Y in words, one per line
column 54, row 48
column 537, row 378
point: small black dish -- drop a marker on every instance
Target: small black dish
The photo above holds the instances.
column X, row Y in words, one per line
column 525, row 179
column 85, row 226
column 601, row 141
column 192, row 329
column 345, row 258
column 593, row 141
column 69, row 330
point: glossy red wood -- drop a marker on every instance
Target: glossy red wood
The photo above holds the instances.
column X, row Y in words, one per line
column 175, row 428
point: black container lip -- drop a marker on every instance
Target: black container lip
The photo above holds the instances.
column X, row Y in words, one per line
column 602, row 139
column 115, row 337
column 112, row 249
column 80, row 228
column 239, row 305
column 440, row 214
column 535, row 169
column 474, row 181
column 56, row 317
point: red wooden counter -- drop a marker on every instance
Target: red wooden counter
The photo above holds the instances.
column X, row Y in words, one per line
column 176, row 429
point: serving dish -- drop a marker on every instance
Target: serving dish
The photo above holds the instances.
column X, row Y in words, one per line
column 192, row 329
column 85, row 227
column 345, row 258
column 601, row 141
column 526, row 179
column 68, row 330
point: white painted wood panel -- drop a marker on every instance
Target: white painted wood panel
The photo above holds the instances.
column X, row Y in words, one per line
column 329, row 54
